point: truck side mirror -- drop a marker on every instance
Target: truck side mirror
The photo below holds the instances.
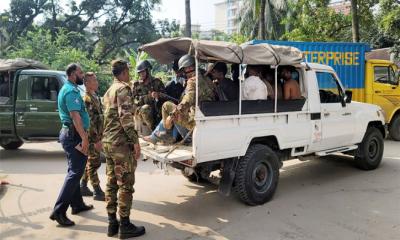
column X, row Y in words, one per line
column 348, row 96
column 53, row 95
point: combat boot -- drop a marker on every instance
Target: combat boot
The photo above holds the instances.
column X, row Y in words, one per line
column 85, row 191
column 113, row 225
column 98, row 194
column 128, row 229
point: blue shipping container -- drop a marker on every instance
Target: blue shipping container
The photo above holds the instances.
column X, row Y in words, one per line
column 348, row 59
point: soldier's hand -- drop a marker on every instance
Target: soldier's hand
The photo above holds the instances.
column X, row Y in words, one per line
column 98, row 146
column 137, row 151
column 155, row 95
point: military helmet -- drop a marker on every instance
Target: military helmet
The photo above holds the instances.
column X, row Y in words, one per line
column 186, row 61
column 143, row 65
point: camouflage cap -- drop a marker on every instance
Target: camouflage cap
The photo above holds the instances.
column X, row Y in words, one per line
column 118, row 66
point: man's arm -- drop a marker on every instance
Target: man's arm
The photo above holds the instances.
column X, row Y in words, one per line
column 125, row 113
column 76, row 118
column 286, row 91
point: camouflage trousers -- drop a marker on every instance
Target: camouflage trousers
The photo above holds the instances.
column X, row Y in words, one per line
column 120, row 170
column 144, row 122
column 92, row 165
column 185, row 120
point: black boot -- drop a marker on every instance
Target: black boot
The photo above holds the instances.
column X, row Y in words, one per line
column 128, row 230
column 85, row 191
column 98, row 194
column 113, row 225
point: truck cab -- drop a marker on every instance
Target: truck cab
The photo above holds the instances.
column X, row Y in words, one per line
column 30, row 112
column 382, row 88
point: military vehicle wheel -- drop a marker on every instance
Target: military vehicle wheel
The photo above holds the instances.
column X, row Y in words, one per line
column 257, row 175
column 12, row 145
column 394, row 128
column 370, row 151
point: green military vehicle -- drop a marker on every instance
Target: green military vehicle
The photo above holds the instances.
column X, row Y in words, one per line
column 28, row 102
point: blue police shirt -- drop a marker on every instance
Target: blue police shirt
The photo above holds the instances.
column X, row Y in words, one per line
column 69, row 99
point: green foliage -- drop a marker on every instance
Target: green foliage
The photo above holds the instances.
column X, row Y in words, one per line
column 389, row 16
column 315, row 21
column 57, row 53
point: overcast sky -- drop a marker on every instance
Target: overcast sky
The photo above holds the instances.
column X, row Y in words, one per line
column 202, row 11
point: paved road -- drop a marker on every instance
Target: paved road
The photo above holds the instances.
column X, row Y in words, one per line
column 320, row 199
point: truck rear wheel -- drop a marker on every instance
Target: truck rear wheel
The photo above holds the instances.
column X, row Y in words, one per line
column 257, row 175
column 370, row 151
column 12, row 145
column 394, row 128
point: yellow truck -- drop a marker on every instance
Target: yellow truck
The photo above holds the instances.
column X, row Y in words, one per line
column 371, row 81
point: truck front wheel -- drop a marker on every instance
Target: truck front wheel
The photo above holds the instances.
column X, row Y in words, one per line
column 370, row 151
column 394, row 128
column 12, row 145
column 257, row 175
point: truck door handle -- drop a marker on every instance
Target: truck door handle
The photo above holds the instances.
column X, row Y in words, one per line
column 326, row 114
column 346, row 114
column 33, row 109
column 378, row 92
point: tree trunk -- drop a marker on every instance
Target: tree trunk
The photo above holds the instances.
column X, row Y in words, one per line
column 261, row 32
column 188, row 27
column 354, row 22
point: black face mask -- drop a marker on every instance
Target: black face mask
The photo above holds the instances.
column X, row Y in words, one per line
column 79, row 80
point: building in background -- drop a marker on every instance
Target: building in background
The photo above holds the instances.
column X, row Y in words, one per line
column 341, row 6
column 226, row 13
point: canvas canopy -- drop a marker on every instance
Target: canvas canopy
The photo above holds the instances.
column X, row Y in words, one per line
column 167, row 50
column 19, row 63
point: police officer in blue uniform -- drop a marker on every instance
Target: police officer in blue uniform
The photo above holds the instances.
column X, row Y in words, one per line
column 74, row 140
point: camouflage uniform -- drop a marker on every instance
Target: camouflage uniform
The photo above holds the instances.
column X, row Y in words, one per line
column 184, row 112
column 148, row 110
column 94, row 108
column 118, row 139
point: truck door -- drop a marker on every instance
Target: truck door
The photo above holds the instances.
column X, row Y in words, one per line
column 385, row 89
column 36, row 109
column 337, row 121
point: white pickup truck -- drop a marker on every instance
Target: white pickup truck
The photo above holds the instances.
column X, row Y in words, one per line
column 248, row 140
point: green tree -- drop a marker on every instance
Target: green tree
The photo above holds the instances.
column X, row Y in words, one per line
column 188, row 23
column 390, row 23
column 315, row 21
column 263, row 18
column 57, row 53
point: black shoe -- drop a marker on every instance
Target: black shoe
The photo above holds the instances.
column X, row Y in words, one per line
column 85, row 191
column 128, row 230
column 62, row 219
column 98, row 194
column 113, row 227
column 82, row 208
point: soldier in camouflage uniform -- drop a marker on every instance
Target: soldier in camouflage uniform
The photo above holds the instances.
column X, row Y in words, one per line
column 122, row 149
column 181, row 116
column 94, row 108
column 148, row 95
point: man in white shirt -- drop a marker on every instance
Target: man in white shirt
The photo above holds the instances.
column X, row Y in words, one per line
column 253, row 88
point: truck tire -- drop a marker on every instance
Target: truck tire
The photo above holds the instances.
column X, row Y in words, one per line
column 394, row 128
column 257, row 175
column 12, row 145
column 370, row 150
